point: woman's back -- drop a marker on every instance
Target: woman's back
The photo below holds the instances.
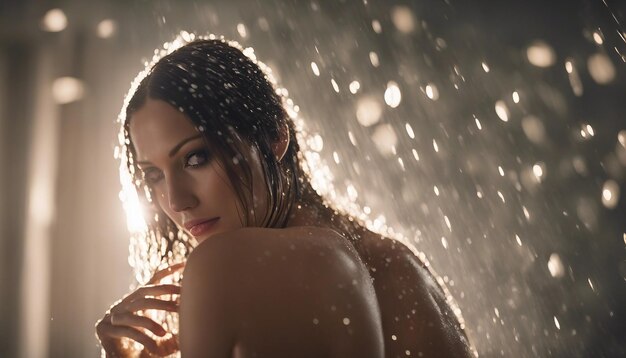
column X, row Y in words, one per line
column 306, row 291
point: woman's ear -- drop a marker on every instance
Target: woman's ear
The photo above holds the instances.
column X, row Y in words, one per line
column 280, row 146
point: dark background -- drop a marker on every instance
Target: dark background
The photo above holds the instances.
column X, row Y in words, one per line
column 63, row 234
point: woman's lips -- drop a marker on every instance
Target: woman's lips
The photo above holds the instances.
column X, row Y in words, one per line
column 198, row 228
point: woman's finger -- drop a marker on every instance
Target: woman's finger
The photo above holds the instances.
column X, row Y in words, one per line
column 152, row 290
column 152, row 304
column 159, row 275
column 129, row 319
column 112, row 331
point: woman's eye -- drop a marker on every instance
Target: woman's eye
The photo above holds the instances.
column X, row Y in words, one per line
column 196, row 159
column 152, row 175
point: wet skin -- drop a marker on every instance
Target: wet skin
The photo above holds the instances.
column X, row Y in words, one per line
column 302, row 291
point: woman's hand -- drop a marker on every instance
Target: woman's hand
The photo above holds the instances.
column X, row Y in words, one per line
column 121, row 320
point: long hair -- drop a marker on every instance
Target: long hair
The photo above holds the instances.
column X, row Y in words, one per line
column 232, row 101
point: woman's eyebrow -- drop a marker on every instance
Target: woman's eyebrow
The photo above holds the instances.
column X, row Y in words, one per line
column 176, row 148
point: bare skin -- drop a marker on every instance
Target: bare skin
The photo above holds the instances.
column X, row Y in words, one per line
column 303, row 290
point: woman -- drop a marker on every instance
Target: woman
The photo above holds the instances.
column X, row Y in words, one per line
column 276, row 272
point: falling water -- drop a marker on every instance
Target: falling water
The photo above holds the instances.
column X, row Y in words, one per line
column 490, row 137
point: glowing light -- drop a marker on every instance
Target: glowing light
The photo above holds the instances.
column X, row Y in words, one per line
column 374, row 59
column 316, row 70
column 402, row 18
column 415, row 155
column 385, row 139
column 241, row 29
column 376, row 26
column 352, row 192
column 501, row 196
column 541, row 54
column 526, row 213
column 574, row 78
column 590, row 284
column 316, row 143
column 555, row 266
column 409, row 131
column 501, row 171
column 610, row 194
column 601, row 68
column 393, row 96
column 621, row 137
column 518, row 240
column 368, row 111
column 432, row 92
column 352, row 139
column 346, row 321
column 444, row 242
column 586, row 131
column 502, row 111
column 354, row 87
column 478, row 125
column 435, row 146
column 538, row 170
column 556, row 323
column 335, row 85
column 515, row 97
column 598, row 38
column 106, row 28
column 67, row 89
column 436, row 190
column 54, row 21
column 485, row 67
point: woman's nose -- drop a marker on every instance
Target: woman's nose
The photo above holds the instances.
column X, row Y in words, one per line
column 180, row 195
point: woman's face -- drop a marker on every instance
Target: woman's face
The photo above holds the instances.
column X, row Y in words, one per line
column 189, row 183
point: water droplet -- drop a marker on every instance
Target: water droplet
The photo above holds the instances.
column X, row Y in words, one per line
column 402, row 18
column 368, row 111
column 393, row 96
column 555, row 266
column 241, row 29
column 409, row 131
column 376, row 26
column 515, row 97
column 598, row 38
column 316, row 70
column 541, row 54
column 610, row 194
column 334, row 84
column 432, row 92
column 374, row 59
column 502, row 111
column 354, row 87
column 601, row 68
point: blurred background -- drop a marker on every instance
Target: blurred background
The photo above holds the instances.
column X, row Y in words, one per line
column 490, row 134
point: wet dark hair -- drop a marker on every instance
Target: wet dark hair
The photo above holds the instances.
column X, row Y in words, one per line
column 233, row 103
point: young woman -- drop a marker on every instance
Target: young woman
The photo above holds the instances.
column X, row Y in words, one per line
column 276, row 272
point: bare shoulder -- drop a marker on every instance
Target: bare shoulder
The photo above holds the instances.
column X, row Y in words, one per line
column 417, row 315
column 279, row 292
